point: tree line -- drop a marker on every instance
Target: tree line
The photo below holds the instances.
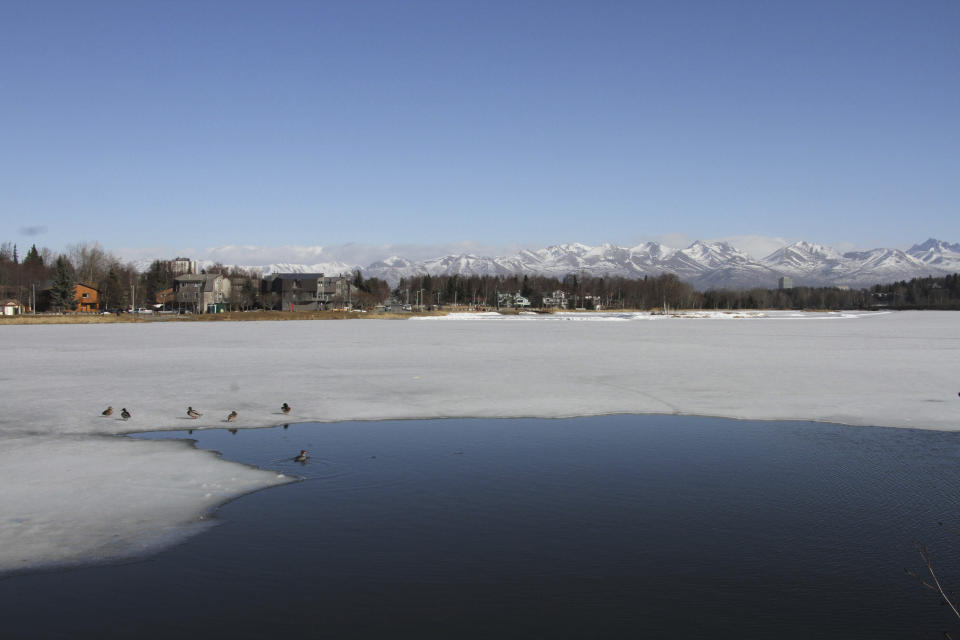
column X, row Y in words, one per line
column 41, row 269
column 121, row 286
column 667, row 291
column 918, row 293
column 581, row 291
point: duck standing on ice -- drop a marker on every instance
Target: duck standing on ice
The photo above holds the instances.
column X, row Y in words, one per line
column 285, row 408
column 302, row 457
column 125, row 414
column 193, row 413
column 232, row 417
column 107, row 412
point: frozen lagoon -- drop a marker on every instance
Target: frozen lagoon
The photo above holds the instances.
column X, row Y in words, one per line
column 72, row 494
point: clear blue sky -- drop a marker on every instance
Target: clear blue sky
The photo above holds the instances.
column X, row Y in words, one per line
column 202, row 124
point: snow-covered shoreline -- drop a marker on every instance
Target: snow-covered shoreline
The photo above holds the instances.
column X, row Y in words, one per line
column 73, row 494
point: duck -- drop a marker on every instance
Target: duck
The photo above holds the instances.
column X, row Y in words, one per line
column 302, row 457
column 232, row 417
column 126, row 415
column 107, row 412
column 285, row 408
column 193, row 414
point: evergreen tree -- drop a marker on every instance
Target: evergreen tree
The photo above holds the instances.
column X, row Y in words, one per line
column 33, row 258
column 157, row 278
column 111, row 295
column 526, row 290
column 249, row 293
column 63, row 290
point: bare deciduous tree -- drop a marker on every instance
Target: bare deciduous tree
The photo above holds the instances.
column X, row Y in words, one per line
column 934, row 584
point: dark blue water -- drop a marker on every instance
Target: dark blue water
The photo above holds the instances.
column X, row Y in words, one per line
column 618, row 526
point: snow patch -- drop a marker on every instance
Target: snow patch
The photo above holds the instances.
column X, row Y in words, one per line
column 95, row 498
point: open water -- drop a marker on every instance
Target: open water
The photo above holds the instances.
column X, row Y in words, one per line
column 601, row 527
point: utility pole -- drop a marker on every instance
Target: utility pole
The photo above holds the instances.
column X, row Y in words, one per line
column 580, row 296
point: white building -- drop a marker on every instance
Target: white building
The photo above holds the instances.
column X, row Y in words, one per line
column 556, row 299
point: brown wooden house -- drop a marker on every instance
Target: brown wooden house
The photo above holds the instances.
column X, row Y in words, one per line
column 166, row 298
column 88, row 298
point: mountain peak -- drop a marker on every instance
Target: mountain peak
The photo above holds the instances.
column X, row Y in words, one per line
column 932, row 244
column 800, row 253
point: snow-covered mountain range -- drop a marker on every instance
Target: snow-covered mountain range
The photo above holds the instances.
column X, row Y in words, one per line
column 703, row 264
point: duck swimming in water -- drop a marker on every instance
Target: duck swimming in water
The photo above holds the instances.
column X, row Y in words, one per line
column 193, row 414
column 125, row 414
column 285, row 408
column 107, row 412
column 302, row 457
column 232, row 417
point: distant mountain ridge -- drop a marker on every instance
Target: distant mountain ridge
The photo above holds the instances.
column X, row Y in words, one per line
column 703, row 264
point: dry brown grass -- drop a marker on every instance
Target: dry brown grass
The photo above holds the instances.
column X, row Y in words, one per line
column 249, row 316
column 230, row 316
column 80, row 318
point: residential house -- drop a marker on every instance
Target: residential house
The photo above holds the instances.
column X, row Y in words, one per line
column 88, row 298
column 557, row 299
column 593, row 302
column 166, row 299
column 201, row 293
column 11, row 307
column 308, row 291
column 512, row 300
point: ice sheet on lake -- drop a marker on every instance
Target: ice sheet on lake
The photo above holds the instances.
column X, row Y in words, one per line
column 71, row 493
column 69, row 498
